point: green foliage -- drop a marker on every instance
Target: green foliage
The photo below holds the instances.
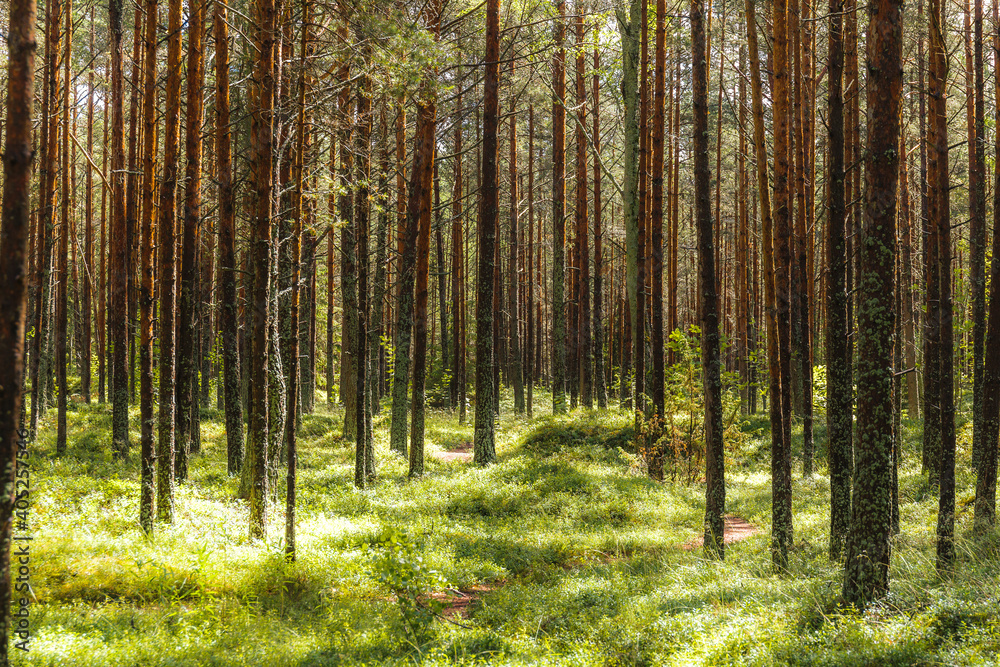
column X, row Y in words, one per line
column 398, row 566
column 565, row 553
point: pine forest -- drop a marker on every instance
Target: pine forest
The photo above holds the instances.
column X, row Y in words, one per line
column 500, row 332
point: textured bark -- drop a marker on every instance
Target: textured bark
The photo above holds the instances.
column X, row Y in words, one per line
column 118, row 269
column 228, row 312
column 63, row 277
column 585, row 348
column 168, row 187
column 839, row 420
column 419, row 207
column 292, row 403
column 656, row 391
column 147, row 493
column 986, row 479
column 558, row 213
column 348, row 268
column 489, row 222
column 600, row 380
column 457, row 266
column 780, row 484
column 49, row 152
column 187, row 324
column 639, row 319
column 15, row 223
column 977, row 211
column 513, row 291
column 629, row 30
column 262, row 168
column 803, row 229
column 866, row 571
column 715, row 481
column 940, row 183
column 781, row 464
column 86, row 306
column 364, row 460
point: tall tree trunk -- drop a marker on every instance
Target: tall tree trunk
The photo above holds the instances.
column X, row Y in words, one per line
column 262, row 110
column 940, row 183
column 62, row 288
column 228, row 313
column 167, row 208
column 88, row 233
column 977, row 233
column 986, row 479
column 187, row 326
column 656, row 212
column 839, row 420
column 558, row 214
column 118, row 268
column 485, row 427
column 419, row 207
column 364, row 461
column 513, row 293
column 715, row 481
column 147, row 493
column 600, row 378
column 780, row 484
column 457, row 257
column 292, row 403
column 866, row 572
column 15, row 221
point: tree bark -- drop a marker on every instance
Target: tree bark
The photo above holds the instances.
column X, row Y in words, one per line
column 15, row 223
column 866, row 572
column 489, row 220
column 187, row 325
column 715, row 481
column 262, row 111
column 147, row 302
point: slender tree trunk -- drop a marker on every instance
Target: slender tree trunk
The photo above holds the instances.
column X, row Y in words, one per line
column 780, row 484
column 977, row 233
column 715, row 481
column 866, row 572
column 228, row 312
column 558, row 214
column 118, row 269
column 986, row 478
column 15, row 221
column 600, row 380
column 946, row 504
column 513, row 293
column 167, row 208
column 457, row 257
column 86, row 310
column 656, row 212
column 147, row 494
column 263, row 178
column 839, row 420
column 485, row 427
column 292, row 403
column 187, row 326
column 62, row 288
column 419, row 208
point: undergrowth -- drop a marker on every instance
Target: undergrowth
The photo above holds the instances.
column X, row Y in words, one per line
column 572, row 555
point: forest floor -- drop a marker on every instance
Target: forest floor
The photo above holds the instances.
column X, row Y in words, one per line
column 564, row 552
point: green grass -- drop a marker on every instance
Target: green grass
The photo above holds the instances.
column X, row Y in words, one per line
column 580, row 558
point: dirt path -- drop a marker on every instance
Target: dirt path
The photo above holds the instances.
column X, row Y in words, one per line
column 735, row 529
column 461, row 453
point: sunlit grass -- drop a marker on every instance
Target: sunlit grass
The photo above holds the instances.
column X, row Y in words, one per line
column 583, row 560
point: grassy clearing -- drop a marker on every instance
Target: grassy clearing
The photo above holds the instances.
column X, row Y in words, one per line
column 579, row 555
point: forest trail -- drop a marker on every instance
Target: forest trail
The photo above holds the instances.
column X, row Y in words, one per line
column 461, row 453
column 736, row 529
